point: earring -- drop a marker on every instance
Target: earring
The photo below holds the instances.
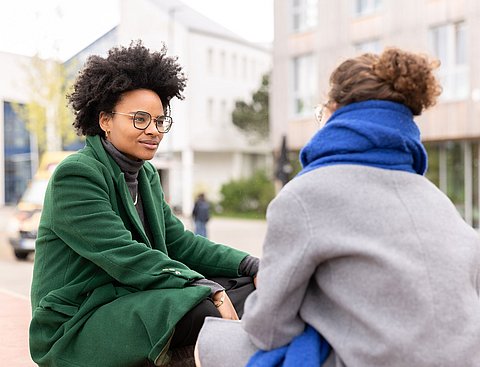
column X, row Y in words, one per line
column 106, row 133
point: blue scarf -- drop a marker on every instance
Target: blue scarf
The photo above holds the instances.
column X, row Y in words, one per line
column 308, row 349
column 373, row 133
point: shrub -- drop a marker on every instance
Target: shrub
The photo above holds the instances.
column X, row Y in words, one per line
column 251, row 195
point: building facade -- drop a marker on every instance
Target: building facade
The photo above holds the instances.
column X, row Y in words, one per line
column 313, row 36
column 204, row 149
column 18, row 158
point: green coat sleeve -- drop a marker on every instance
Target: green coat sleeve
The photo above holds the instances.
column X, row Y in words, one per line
column 198, row 253
column 82, row 215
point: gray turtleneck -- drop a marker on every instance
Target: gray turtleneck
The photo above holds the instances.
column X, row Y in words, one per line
column 130, row 168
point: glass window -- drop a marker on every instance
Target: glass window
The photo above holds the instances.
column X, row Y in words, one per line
column 304, row 78
column 450, row 165
column 448, row 43
column 223, row 112
column 372, row 46
column 234, row 65
column 210, row 60
column 253, row 69
column 475, row 183
column 456, row 175
column 210, row 111
column 244, row 67
column 223, row 65
column 364, row 7
column 18, row 158
column 304, row 15
column 433, row 172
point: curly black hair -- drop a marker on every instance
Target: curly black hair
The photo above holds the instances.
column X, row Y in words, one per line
column 102, row 81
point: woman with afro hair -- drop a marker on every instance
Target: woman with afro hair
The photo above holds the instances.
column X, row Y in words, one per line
column 118, row 280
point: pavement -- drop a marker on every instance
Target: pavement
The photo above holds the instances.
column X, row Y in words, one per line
column 15, row 279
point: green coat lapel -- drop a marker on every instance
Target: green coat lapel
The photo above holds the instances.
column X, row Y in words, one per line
column 121, row 186
column 153, row 212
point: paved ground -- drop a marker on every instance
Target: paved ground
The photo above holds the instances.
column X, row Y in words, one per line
column 15, row 279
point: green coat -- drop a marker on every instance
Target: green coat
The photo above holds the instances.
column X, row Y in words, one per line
column 102, row 294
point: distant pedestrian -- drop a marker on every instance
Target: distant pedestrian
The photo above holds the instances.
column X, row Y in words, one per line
column 201, row 215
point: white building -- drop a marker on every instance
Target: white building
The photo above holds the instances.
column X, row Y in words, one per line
column 204, row 149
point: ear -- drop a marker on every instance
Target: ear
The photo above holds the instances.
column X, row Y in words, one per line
column 105, row 121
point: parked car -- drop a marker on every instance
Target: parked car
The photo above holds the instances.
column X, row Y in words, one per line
column 29, row 207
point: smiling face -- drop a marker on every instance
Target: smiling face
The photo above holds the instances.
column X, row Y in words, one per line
column 119, row 128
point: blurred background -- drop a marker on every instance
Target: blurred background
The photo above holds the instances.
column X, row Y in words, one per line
column 256, row 69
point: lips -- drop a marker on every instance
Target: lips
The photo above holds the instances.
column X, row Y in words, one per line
column 150, row 144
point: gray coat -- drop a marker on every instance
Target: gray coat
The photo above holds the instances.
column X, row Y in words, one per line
column 378, row 261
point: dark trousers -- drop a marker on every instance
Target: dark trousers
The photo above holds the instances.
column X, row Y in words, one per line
column 187, row 329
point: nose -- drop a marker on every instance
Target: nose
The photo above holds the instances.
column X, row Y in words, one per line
column 152, row 129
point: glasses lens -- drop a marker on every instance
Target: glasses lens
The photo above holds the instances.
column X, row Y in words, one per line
column 141, row 119
column 319, row 113
column 164, row 123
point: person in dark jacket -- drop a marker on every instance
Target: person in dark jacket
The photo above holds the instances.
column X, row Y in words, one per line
column 201, row 215
column 117, row 279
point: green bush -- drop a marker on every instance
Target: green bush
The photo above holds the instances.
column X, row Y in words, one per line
column 251, row 195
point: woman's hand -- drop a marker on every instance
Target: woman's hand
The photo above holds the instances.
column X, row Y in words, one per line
column 224, row 306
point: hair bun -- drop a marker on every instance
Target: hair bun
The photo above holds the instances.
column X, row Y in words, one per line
column 409, row 74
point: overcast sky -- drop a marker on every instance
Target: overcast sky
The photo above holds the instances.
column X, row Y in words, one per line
column 63, row 27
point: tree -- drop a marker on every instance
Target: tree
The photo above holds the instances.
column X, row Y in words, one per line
column 46, row 114
column 252, row 117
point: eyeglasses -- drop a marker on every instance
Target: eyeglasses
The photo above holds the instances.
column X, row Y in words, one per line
column 141, row 120
column 319, row 111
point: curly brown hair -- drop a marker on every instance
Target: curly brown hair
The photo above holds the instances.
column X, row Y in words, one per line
column 394, row 75
column 101, row 83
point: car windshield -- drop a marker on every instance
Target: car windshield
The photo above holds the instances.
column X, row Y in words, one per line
column 35, row 192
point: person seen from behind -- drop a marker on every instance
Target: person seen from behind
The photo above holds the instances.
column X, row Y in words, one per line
column 201, row 215
column 360, row 246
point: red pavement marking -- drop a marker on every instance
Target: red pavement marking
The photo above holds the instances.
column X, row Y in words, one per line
column 15, row 318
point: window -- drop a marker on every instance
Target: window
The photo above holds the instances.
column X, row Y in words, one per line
column 372, row 46
column 454, row 167
column 210, row 60
column 433, row 171
column 304, row 79
column 18, row 154
column 244, row 67
column 475, row 185
column 448, row 43
column 210, row 111
column 365, row 7
column 234, row 66
column 253, row 69
column 223, row 112
column 223, row 65
column 304, row 15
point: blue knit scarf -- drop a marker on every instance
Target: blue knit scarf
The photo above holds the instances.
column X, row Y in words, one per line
column 308, row 349
column 373, row 133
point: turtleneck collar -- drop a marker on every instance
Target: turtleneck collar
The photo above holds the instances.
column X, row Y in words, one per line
column 129, row 166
